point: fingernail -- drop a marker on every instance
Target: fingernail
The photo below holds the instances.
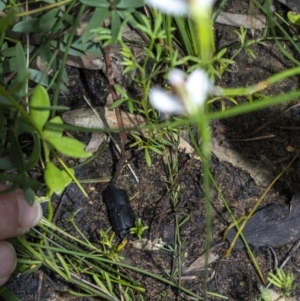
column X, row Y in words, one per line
column 39, row 214
column 8, row 261
column 29, row 216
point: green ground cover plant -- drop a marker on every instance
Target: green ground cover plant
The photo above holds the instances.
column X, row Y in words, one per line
column 179, row 46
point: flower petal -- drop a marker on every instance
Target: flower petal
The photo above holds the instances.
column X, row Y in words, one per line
column 172, row 7
column 165, row 102
column 198, row 85
column 176, row 77
column 203, row 4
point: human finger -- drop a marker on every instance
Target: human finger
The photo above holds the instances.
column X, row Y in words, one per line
column 16, row 215
column 8, row 261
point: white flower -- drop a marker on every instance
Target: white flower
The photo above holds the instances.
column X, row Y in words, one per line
column 190, row 93
column 180, row 7
column 172, row 7
column 166, row 102
column 198, row 85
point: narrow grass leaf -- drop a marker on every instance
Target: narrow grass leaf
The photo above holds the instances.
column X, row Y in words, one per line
column 64, row 264
column 7, row 295
column 100, row 283
column 16, row 151
column 55, row 268
column 35, row 154
column 156, row 150
column 39, row 255
column 147, row 157
column 107, row 278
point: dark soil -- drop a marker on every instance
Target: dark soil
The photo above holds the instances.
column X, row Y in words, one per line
column 234, row 277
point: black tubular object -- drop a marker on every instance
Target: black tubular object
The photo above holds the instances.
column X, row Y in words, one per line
column 119, row 210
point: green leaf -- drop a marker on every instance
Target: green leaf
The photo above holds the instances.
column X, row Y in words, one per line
column 2, row 5
column 22, row 72
column 39, row 77
column 67, row 177
column 100, row 283
column 77, row 47
column 16, row 181
column 8, row 66
column 48, row 20
column 35, row 154
column 154, row 149
column 130, row 4
column 95, row 22
column 221, row 53
column 56, row 179
column 7, row 295
column 26, row 26
column 46, row 80
column 130, row 105
column 4, row 100
column 98, row 3
column 69, row 146
column 29, row 194
column 52, row 265
column 117, row 103
column 39, row 99
column 23, row 125
column 37, row 25
column 6, row 164
column 11, row 51
column 115, row 25
column 6, row 21
column 147, row 157
column 16, row 151
column 54, row 133
column 65, row 266
column 294, row 17
column 3, row 123
column 32, row 183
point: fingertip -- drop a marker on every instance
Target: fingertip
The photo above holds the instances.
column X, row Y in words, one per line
column 8, row 261
column 29, row 216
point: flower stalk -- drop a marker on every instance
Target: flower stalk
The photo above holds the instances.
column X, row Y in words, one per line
column 204, row 27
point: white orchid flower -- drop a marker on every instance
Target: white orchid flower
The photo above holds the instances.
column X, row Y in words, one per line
column 180, row 7
column 190, row 93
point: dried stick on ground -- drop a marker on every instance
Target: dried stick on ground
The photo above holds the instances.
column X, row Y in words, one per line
column 110, row 77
